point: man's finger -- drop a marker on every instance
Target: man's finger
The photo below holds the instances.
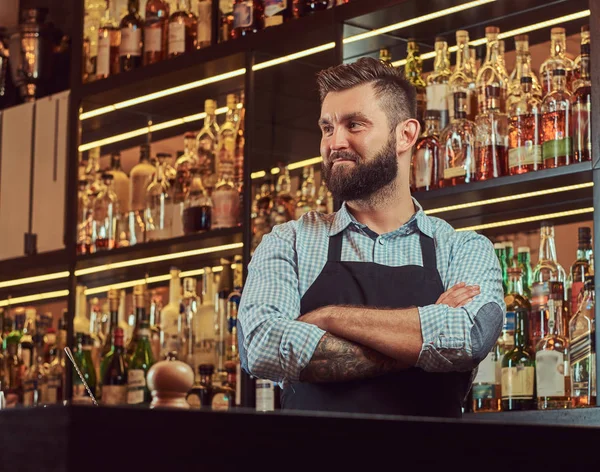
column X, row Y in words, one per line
column 459, row 296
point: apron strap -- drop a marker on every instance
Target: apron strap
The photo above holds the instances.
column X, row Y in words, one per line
column 335, row 248
column 428, row 251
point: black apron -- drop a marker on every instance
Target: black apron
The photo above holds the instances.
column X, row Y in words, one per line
column 408, row 392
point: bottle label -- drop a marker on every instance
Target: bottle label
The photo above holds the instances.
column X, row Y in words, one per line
column 176, row 38
column 131, row 42
column 136, row 378
column 581, row 349
column 576, row 289
column 550, row 373
column 486, row 372
column 28, row 397
column 454, row 172
column 517, row 382
column 139, row 182
column 54, row 385
column 26, row 357
column 581, row 125
column 265, row 395
column 484, row 391
column 272, row 7
column 509, row 322
column 194, row 401
column 152, row 39
column 243, row 14
column 220, row 402
column 557, row 148
column 226, row 204
column 103, row 59
column 437, row 96
column 423, row 167
column 115, row 395
column 525, row 155
column 204, row 22
column 80, row 395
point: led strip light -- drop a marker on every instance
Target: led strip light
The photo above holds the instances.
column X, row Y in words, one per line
column 34, row 298
column 292, row 166
column 35, row 279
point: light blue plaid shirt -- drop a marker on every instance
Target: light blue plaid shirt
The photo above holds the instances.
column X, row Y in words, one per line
column 273, row 345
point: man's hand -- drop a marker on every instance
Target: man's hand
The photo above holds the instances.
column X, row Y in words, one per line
column 316, row 317
column 459, row 295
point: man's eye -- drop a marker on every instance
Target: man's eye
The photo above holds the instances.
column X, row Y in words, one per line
column 327, row 129
column 354, row 125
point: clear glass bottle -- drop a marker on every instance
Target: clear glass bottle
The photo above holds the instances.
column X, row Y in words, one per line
column 35, row 386
column 284, row 205
column 120, row 184
column 26, row 344
column 57, row 368
column 171, row 317
column 585, row 39
column 413, row 71
column 324, row 199
column 197, row 207
column 558, row 60
column 109, row 41
column 204, row 322
column 226, row 139
column 277, row 12
column 156, row 334
column 582, row 350
column 106, row 209
column 458, row 146
column 189, row 306
column 518, row 365
column 524, row 258
column 226, row 204
column 156, row 31
column 438, row 82
column 248, row 17
column 306, row 202
column 492, row 71
column 491, row 140
column 525, row 131
column 581, row 268
column 557, row 149
column 115, row 376
column 159, row 206
column 183, row 29
column 240, row 144
column 130, row 48
column 141, row 176
column 486, row 388
column 206, row 145
column 84, row 224
column 204, row 31
column 464, row 76
column 522, row 69
column 225, row 20
column 184, row 166
column 548, row 268
column 426, row 158
column 582, row 109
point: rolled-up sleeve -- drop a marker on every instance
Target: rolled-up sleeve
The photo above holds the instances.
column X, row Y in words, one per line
column 273, row 345
column 458, row 339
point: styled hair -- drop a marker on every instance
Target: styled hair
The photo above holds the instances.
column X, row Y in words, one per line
column 397, row 95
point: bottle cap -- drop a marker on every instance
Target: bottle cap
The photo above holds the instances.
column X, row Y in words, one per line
column 492, row 91
column 206, row 369
column 585, row 27
column 462, row 34
column 585, row 48
column 432, row 115
column 440, row 39
column 560, row 72
column 521, row 37
column 189, row 135
column 498, row 245
column 526, row 79
column 523, row 249
column 492, row 30
column 557, row 30
column 584, row 234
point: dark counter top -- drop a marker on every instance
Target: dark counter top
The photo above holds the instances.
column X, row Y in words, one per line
column 112, row 439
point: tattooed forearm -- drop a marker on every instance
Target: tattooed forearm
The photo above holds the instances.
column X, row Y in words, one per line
column 336, row 359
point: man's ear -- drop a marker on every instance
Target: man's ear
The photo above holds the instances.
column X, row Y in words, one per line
column 407, row 133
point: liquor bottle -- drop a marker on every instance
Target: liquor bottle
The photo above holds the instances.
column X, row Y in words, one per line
column 158, row 217
column 426, row 159
column 81, row 323
column 582, row 109
column 183, row 29
column 156, row 335
column 491, row 140
column 113, row 303
column 95, row 334
column 557, row 60
column 265, row 395
column 585, row 39
column 464, row 76
column 324, row 200
column 544, row 296
column 84, row 219
column 204, row 31
column 120, row 184
column 518, row 365
column 524, row 259
column 277, row 12
column 240, row 143
column 104, row 224
column 492, row 71
column 26, row 342
column 206, row 145
column 35, row 386
column 458, row 146
column 582, row 351
column 232, row 348
column 225, row 20
column 14, row 368
column 83, row 357
column 525, row 131
column 225, row 287
column 226, row 203
column 553, row 381
column 248, row 17
column 109, row 41
column 141, row 360
column 190, row 303
column 306, row 201
column 57, row 370
column 581, row 268
column 197, row 206
column 557, row 149
column 385, row 56
column 140, row 176
column 205, row 395
column 226, row 139
column 94, row 12
column 438, row 82
column 130, row 49
column 500, row 250
column 308, row 7
column 205, row 349
column 522, row 69
column 171, row 318
column 156, row 31
column 548, row 268
column 413, row 72
column 115, row 375
column 139, row 303
column 183, row 166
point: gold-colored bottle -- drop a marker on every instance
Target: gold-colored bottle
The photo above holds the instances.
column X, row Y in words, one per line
column 413, row 72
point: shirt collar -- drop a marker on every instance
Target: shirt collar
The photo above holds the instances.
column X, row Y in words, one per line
column 343, row 218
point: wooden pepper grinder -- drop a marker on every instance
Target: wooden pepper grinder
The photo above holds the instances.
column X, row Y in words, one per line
column 169, row 382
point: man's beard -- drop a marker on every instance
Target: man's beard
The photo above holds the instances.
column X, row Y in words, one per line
column 363, row 181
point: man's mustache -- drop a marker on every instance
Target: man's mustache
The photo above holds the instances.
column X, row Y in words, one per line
column 345, row 155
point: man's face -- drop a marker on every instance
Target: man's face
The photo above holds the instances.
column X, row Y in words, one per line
column 357, row 145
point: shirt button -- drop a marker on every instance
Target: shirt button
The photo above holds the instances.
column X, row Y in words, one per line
column 381, row 241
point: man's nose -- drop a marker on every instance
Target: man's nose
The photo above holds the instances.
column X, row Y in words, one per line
column 339, row 140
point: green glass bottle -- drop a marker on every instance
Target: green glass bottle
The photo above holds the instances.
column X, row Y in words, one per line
column 518, row 364
column 142, row 358
column 83, row 357
column 114, row 379
column 500, row 250
column 524, row 258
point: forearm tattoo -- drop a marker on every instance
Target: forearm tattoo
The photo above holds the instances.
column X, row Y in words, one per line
column 336, row 360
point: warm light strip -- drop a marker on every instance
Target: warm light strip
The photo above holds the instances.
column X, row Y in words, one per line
column 35, row 279
column 162, row 93
column 149, row 280
column 258, row 175
column 509, row 34
column 296, row 55
column 162, row 257
column 148, row 129
column 508, row 198
column 417, row 20
column 305, row 163
column 34, row 298
column 275, row 170
column 528, row 219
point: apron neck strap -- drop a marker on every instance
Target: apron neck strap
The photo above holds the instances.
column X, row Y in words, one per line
column 335, row 247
